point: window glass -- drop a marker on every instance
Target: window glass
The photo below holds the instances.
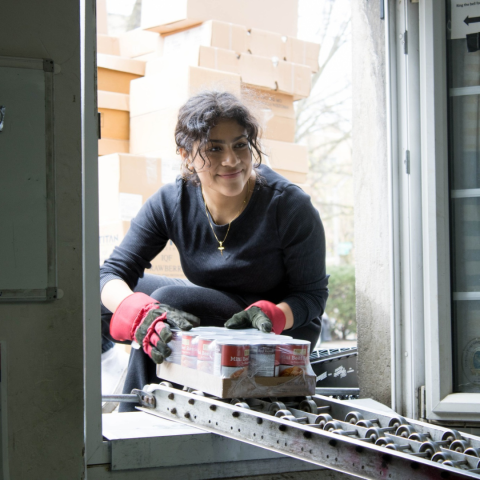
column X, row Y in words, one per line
column 464, row 184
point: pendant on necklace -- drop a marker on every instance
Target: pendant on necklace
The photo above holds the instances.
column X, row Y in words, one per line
column 221, row 248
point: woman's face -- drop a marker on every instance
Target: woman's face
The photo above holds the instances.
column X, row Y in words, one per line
column 228, row 159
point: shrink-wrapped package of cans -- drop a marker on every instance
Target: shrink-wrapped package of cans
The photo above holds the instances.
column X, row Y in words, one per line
column 240, row 353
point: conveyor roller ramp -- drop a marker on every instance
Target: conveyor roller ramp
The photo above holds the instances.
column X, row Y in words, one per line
column 324, row 431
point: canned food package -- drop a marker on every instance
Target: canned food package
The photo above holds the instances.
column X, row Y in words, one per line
column 295, row 358
column 243, row 364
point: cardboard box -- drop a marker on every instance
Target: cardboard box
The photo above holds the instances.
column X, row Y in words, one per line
column 210, row 34
column 287, row 159
column 266, row 44
column 163, row 16
column 107, row 146
column 125, row 183
column 241, row 39
column 166, row 263
column 171, row 88
column 138, row 42
column 116, row 73
column 274, row 103
column 305, row 53
column 276, row 127
column 237, row 387
column 114, row 115
column 108, row 44
column 154, row 132
column 274, row 111
column 102, row 21
column 263, row 72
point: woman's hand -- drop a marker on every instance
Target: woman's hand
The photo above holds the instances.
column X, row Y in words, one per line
column 263, row 315
column 143, row 319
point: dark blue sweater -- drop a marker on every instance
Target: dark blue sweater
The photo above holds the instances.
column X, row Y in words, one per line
column 276, row 247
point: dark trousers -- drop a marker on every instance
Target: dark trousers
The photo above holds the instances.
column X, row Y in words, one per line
column 213, row 307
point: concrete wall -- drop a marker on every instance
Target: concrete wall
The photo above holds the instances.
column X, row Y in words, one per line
column 371, row 200
column 45, row 341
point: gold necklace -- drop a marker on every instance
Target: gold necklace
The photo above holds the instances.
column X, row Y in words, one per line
column 207, row 211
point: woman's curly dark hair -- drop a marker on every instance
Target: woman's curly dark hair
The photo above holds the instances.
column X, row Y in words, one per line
column 200, row 114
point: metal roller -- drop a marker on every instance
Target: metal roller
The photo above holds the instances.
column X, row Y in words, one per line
column 451, row 435
column 324, row 438
column 375, row 433
column 431, row 447
column 420, row 437
column 457, row 463
column 308, row 406
column 474, row 452
column 405, row 448
column 404, row 431
column 366, row 424
column 275, row 407
column 383, row 441
column 397, row 421
column 333, row 425
column 321, row 420
column 282, row 413
column 353, row 417
column 459, row 445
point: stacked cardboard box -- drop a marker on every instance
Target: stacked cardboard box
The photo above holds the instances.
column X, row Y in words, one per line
column 185, row 47
column 114, row 74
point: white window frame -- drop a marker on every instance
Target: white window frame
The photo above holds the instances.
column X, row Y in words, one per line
column 441, row 403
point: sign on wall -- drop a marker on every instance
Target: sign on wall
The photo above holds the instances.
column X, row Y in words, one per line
column 465, row 18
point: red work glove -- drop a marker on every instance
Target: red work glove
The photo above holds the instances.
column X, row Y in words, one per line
column 142, row 319
column 263, row 315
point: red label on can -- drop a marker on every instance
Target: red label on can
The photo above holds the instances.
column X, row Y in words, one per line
column 294, row 354
column 189, row 345
column 204, row 349
column 234, row 355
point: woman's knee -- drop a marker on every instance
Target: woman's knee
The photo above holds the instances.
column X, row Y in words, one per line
column 174, row 295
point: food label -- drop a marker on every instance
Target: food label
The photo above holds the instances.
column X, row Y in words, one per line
column 262, row 360
column 292, row 371
column 189, row 345
column 204, row 350
column 294, row 360
column 231, row 361
column 294, row 354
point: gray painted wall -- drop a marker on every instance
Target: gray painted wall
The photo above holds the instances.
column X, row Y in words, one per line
column 371, row 201
column 45, row 341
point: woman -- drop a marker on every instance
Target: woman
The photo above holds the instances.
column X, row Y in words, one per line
column 251, row 244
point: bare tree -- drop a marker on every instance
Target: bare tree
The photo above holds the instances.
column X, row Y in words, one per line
column 323, row 125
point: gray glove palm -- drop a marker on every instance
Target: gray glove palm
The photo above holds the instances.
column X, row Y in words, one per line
column 254, row 317
column 159, row 350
